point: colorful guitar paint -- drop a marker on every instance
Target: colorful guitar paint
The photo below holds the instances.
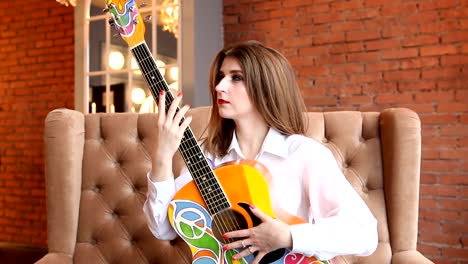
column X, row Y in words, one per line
column 216, row 201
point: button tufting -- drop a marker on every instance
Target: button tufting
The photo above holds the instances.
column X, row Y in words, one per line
column 138, row 139
column 115, row 214
column 365, row 189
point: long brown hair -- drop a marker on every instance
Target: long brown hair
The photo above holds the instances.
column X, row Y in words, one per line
column 271, row 86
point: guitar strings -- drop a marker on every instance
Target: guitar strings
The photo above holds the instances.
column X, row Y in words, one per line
column 161, row 85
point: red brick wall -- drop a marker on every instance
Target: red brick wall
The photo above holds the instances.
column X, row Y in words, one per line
column 36, row 76
column 374, row 54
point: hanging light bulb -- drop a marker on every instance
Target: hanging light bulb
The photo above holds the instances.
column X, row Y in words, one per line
column 138, row 95
column 116, row 60
column 174, row 73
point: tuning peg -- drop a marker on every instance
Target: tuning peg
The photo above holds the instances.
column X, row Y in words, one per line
column 105, row 10
column 111, row 22
column 148, row 18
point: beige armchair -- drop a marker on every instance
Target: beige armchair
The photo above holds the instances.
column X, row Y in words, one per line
column 96, row 167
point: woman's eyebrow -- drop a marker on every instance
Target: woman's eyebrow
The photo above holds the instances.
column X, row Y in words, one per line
column 231, row 71
column 235, row 71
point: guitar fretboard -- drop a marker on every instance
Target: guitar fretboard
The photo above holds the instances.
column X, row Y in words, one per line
column 196, row 162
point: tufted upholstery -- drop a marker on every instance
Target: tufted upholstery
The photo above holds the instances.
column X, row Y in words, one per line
column 96, row 169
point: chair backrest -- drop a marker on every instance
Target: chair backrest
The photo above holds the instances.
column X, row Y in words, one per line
column 96, row 168
column 379, row 153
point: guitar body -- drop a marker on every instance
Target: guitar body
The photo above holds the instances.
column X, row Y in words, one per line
column 243, row 184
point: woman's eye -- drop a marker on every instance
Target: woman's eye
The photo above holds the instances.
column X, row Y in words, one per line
column 236, row 77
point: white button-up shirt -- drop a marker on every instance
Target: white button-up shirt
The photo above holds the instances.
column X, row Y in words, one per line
column 305, row 181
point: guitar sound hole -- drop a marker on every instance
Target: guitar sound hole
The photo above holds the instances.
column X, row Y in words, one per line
column 230, row 220
column 226, row 221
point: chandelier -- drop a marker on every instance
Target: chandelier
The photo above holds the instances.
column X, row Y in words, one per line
column 170, row 16
column 67, row 2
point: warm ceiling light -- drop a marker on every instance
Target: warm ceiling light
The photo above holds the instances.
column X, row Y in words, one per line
column 138, row 95
column 116, row 60
column 148, row 106
column 174, row 73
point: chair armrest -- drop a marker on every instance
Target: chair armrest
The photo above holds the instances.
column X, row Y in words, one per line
column 64, row 141
column 410, row 257
column 401, row 150
column 55, row 258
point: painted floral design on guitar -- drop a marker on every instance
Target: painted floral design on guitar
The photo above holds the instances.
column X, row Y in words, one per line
column 193, row 224
column 300, row 259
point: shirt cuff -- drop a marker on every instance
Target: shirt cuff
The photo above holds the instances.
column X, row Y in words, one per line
column 163, row 190
column 302, row 244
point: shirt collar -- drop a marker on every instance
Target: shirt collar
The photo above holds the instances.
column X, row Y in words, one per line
column 274, row 143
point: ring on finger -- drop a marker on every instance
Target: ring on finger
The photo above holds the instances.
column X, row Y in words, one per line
column 243, row 245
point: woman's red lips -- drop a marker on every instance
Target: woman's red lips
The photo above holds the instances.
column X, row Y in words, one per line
column 221, row 101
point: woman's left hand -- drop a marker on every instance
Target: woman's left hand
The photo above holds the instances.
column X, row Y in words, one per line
column 270, row 235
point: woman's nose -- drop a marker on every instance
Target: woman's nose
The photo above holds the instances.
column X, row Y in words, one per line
column 221, row 86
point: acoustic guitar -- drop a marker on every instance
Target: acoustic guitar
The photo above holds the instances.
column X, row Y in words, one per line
column 216, row 201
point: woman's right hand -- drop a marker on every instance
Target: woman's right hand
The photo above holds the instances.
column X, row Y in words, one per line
column 170, row 130
column 170, row 134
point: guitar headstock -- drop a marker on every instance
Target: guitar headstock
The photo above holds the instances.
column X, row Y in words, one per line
column 127, row 21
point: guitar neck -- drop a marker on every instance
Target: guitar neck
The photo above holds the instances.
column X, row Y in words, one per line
column 196, row 162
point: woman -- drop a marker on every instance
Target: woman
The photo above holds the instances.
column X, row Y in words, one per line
column 257, row 114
